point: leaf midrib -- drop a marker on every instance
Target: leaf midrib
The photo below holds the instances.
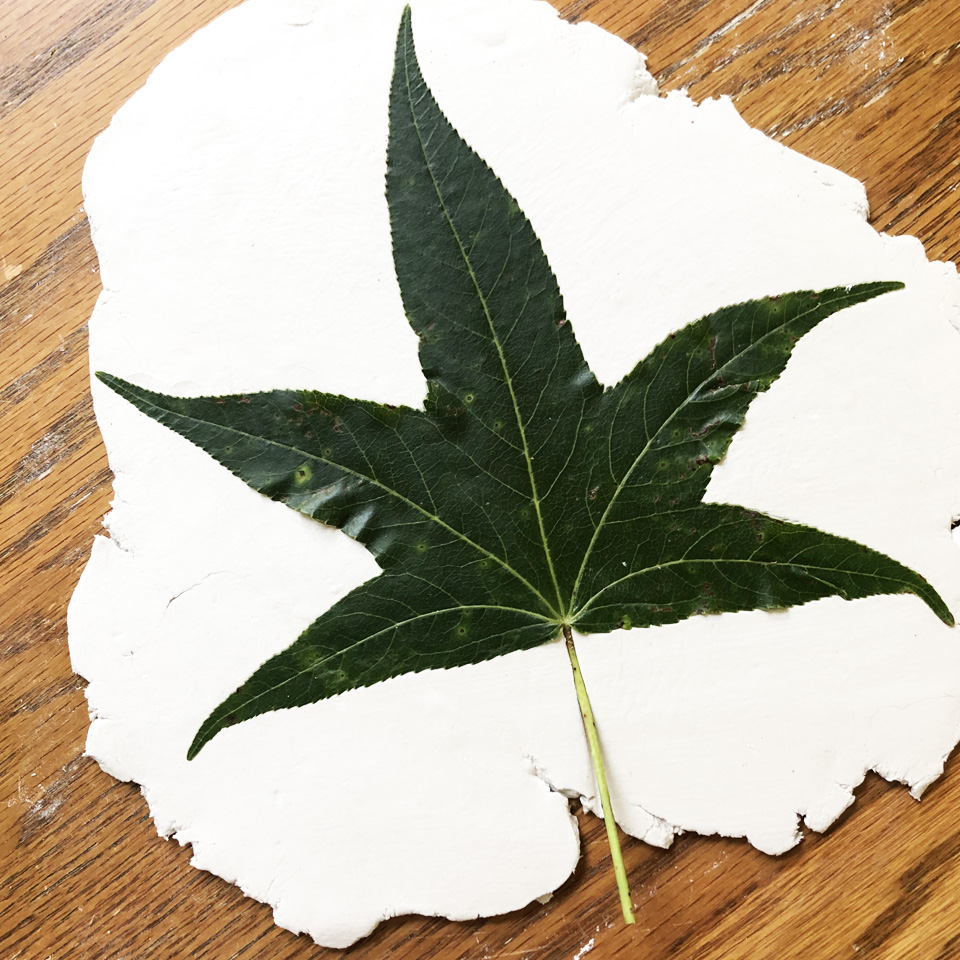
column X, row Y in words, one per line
column 493, row 334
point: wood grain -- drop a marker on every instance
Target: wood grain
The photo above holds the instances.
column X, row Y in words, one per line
column 871, row 86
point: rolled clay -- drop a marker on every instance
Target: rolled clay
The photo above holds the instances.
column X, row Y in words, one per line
column 237, row 206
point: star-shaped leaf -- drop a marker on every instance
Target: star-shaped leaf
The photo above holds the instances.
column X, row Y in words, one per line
column 524, row 500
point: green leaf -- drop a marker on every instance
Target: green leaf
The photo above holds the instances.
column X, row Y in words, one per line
column 524, row 498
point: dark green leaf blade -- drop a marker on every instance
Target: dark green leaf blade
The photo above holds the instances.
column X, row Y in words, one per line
column 715, row 558
column 387, row 476
column 690, row 395
column 480, row 294
column 657, row 435
column 295, row 447
column 440, row 616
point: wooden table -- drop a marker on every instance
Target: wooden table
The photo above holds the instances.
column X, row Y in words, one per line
column 870, row 86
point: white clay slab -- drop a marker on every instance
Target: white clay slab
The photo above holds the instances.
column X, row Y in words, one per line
column 237, row 206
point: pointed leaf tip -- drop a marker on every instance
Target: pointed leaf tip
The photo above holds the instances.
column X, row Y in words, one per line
column 199, row 741
column 117, row 384
column 876, row 288
column 940, row 608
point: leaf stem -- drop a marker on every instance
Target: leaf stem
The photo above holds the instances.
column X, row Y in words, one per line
column 590, row 727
